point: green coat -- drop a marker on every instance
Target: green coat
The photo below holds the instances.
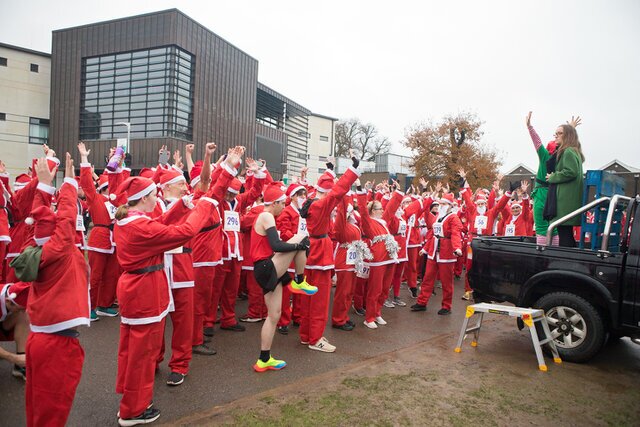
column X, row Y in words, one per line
column 569, row 178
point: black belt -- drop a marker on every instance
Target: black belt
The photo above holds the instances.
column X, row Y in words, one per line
column 542, row 183
column 149, row 269
column 187, row 250
column 319, row 236
column 110, row 226
column 71, row 333
column 213, row 227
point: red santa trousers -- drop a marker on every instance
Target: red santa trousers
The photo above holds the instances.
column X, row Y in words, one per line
column 379, row 278
column 54, row 368
column 256, row 309
column 137, row 353
column 467, row 286
column 295, row 308
column 345, row 286
column 461, row 261
column 203, row 277
column 315, row 308
column 103, row 280
column 225, row 292
column 445, row 271
column 412, row 267
column 285, row 312
column 359, row 293
column 397, row 277
column 182, row 335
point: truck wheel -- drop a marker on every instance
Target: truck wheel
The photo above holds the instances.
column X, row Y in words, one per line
column 576, row 326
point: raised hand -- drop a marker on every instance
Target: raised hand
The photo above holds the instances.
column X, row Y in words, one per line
column 438, row 186
column 177, row 157
column 524, row 186
column 3, row 167
column 82, row 149
column 43, row 173
column 69, row 172
column 210, row 148
column 462, row 173
column 529, row 118
column 423, row 183
column 575, row 121
column 368, row 185
column 188, row 149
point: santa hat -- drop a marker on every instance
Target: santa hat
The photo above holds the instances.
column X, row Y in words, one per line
column 325, row 183
column 194, row 175
column 52, row 162
column 136, row 187
column 171, row 176
column 311, row 194
column 551, row 147
column 274, row 192
column 147, row 172
column 18, row 293
column 21, row 181
column 103, row 181
column 294, row 188
column 516, row 205
column 235, row 186
column 407, row 199
column 447, row 198
column 481, row 198
column 44, row 221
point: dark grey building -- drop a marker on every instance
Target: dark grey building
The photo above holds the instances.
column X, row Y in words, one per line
column 175, row 82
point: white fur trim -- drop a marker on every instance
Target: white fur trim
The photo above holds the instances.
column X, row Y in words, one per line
column 72, row 182
column 173, row 181
column 46, row 188
column 142, row 193
column 233, row 171
column 50, row 329
column 210, row 200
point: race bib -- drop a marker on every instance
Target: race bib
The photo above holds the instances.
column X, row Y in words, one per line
column 80, row 223
column 412, row 221
column 111, row 210
column 402, row 230
column 437, row 229
column 510, row 230
column 302, row 226
column 363, row 272
column 481, row 222
column 231, row 221
column 351, row 256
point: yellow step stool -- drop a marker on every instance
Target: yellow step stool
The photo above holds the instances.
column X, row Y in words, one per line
column 529, row 316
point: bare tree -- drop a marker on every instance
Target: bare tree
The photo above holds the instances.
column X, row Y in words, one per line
column 363, row 138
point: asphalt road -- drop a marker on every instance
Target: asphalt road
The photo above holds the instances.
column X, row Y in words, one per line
column 227, row 376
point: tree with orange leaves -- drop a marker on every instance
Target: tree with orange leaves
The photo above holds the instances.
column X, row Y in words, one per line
column 441, row 149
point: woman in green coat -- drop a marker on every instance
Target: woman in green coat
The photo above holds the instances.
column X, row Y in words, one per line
column 569, row 179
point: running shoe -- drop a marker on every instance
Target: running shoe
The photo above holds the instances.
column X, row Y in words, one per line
column 270, row 365
column 302, row 288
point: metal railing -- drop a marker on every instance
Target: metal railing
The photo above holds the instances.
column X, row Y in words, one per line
column 607, row 226
column 575, row 213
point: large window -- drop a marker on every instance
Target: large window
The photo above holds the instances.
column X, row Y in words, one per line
column 38, row 130
column 151, row 89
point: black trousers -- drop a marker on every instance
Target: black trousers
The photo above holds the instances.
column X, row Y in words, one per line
column 565, row 236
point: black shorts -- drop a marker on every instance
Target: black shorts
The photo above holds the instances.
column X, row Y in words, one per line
column 267, row 277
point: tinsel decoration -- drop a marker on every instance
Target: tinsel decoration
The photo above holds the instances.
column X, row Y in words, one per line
column 390, row 244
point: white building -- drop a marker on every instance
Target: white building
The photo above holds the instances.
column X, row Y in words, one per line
column 320, row 144
column 394, row 164
column 25, row 81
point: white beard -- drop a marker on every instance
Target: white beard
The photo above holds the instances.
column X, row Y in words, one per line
column 301, row 202
column 481, row 210
column 443, row 210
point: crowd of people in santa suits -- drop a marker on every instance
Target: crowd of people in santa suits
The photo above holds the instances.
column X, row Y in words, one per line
column 186, row 242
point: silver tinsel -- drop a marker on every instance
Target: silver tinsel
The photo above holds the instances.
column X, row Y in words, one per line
column 362, row 252
column 390, row 244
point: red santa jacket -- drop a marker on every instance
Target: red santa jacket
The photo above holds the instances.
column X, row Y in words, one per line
column 444, row 237
column 479, row 225
column 5, row 239
column 102, row 212
column 59, row 298
column 145, row 297
column 519, row 226
column 319, row 222
column 207, row 244
column 412, row 214
column 377, row 232
column 345, row 234
column 19, row 209
column 232, row 240
column 397, row 224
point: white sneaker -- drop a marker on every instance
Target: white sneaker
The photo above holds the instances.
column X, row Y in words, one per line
column 370, row 325
column 389, row 304
column 380, row 321
column 323, row 345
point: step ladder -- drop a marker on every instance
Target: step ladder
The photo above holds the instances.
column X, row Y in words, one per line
column 529, row 316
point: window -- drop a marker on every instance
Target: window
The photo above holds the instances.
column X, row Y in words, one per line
column 3, row 117
column 34, row 68
column 3, row 61
column 324, row 138
column 38, row 131
column 151, row 89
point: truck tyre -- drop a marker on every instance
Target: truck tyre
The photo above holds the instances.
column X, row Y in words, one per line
column 575, row 324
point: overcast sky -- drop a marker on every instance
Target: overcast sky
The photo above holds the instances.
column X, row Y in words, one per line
column 398, row 63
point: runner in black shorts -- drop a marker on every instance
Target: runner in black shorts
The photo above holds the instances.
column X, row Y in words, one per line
column 271, row 258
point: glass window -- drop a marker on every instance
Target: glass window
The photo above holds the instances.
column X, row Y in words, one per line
column 38, row 130
column 149, row 88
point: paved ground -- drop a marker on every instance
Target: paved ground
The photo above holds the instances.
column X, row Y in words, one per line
column 228, row 376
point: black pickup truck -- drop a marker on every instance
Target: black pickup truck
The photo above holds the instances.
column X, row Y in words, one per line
column 588, row 295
